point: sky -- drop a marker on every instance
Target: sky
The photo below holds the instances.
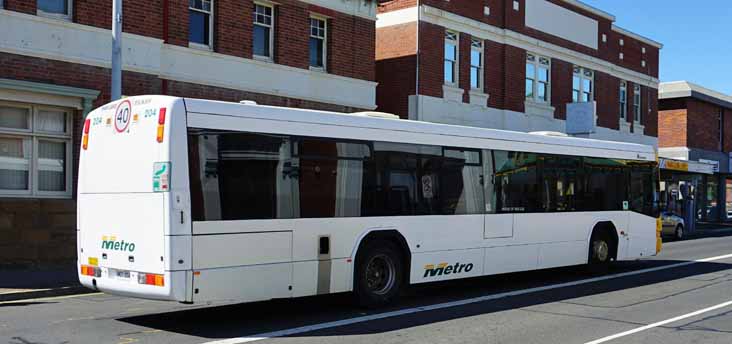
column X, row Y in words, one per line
column 696, row 36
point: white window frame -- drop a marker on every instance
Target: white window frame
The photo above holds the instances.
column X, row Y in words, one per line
column 623, row 95
column 539, row 61
column 35, row 136
column 452, row 37
column 210, row 28
column 323, row 19
column 478, row 45
column 583, row 74
column 637, row 101
column 271, row 27
column 68, row 16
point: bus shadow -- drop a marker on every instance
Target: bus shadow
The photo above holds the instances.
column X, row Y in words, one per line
column 242, row 320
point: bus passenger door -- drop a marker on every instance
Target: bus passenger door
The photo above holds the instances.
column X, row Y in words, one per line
column 494, row 225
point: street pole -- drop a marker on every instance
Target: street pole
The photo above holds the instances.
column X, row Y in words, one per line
column 116, row 50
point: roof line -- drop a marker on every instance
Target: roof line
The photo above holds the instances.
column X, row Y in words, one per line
column 641, row 38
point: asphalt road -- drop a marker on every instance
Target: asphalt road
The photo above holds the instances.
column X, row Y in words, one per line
column 672, row 298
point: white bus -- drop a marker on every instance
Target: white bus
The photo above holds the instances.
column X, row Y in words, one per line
column 197, row 201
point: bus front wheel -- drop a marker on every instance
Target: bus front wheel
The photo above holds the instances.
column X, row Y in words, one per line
column 379, row 274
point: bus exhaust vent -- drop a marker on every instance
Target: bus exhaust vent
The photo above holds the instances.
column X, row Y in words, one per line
column 376, row 114
column 549, row 133
column 248, row 102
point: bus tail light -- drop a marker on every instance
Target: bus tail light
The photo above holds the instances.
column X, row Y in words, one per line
column 151, row 279
column 161, row 124
column 85, row 139
column 93, row 271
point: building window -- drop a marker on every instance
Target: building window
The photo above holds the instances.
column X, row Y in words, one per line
column 35, row 150
column 476, row 64
column 537, row 78
column 200, row 23
column 623, row 100
column 60, row 9
column 637, row 104
column 263, row 31
column 582, row 88
column 451, row 58
column 318, row 43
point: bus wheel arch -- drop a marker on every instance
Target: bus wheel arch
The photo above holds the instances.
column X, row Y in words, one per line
column 603, row 233
column 380, row 244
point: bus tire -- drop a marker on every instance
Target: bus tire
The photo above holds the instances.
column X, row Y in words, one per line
column 379, row 274
column 601, row 251
column 679, row 232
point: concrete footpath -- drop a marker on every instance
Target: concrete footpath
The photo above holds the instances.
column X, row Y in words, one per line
column 21, row 284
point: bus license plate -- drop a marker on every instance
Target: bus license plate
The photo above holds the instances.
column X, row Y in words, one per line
column 123, row 274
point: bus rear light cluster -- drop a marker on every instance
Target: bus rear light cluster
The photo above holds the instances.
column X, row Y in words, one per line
column 93, row 271
column 85, row 139
column 150, row 279
column 161, row 124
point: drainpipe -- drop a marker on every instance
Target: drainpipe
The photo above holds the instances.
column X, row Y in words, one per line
column 416, row 93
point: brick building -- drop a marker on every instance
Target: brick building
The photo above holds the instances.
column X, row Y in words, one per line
column 55, row 58
column 515, row 65
column 695, row 124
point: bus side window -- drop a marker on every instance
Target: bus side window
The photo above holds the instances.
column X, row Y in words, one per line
column 488, row 179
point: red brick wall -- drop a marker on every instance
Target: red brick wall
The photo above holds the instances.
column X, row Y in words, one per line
column 672, row 128
column 393, row 5
column 473, row 9
column 514, row 79
column 396, row 68
column 727, row 130
column 703, row 125
column 607, row 96
column 233, row 28
column 650, row 105
column 561, row 87
column 24, row 6
column 495, row 73
column 177, row 32
column 464, row 65
column 431, row 58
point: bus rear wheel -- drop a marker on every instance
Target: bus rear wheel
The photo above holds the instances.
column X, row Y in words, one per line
column 379, row 274
column 601, row 252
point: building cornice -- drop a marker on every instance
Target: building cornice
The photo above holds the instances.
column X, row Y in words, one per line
column 685, row 89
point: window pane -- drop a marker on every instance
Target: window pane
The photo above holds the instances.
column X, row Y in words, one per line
column 261, row 41
column 586, row 97
column 561, row 183
column 587, row 85
column 14, row 163
column 51, row 121
column 575, row 96
column 51, row 166
column 529, row 90
column 450, row 52
column 516, row 182
column 541, row 91
column 316, row 52
column 605, row 184
column 449, row 72
column 543, row 74
column 575, row 83
column 198, row 29
column 14, row 118
column 474, row 77
column 530, row 71
column 475, row 58
column 54, row 6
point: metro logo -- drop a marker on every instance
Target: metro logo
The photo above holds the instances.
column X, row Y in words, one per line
column 444, row 269
column 111, row 243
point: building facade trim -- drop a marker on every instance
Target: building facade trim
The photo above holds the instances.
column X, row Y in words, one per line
column 486, row 31
column 35, row 36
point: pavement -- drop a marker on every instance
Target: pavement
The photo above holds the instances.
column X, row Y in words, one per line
column 20, row 284
column 683, row 295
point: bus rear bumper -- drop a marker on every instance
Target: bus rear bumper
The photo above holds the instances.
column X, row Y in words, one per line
column 170, row 291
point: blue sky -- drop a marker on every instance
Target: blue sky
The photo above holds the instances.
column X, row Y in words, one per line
column 696, row 36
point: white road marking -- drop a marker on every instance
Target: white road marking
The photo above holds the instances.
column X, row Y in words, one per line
column 351, row 321
column 660, row 323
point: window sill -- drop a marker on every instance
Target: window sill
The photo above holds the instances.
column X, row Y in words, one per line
column 532, row 107
column 624, row 126
column 477, row 97
column 199, row 46
column 639, row 128
column 318, row 69
column 262, row 58
column 452, row 93
column 57, row 16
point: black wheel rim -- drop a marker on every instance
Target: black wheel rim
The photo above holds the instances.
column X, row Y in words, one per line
column 380, row 274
